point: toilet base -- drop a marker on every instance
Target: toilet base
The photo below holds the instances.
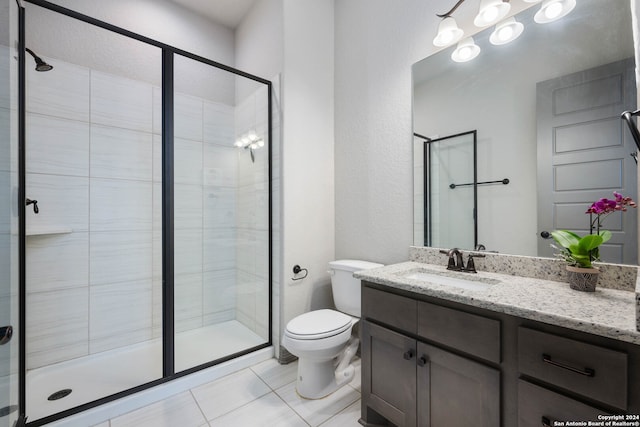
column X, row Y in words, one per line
column 318, row 379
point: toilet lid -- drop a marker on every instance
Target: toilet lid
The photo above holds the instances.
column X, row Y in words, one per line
column 318, row 324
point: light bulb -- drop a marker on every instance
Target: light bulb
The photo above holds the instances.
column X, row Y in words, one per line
column 505, row 33
column 253, row 146
column 446, row 37
column 238, row 143
column 252, row 136
column 260, row 143
column 490, row 13
column 465, row 53
column 448, row 32
column 553, row 10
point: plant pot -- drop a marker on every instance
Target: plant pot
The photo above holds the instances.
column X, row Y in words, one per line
column 582, row 279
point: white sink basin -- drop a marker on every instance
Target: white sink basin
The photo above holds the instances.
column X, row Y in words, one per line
column 444, row 279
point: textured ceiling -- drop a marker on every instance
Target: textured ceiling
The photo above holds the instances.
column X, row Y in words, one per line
column 225, row 12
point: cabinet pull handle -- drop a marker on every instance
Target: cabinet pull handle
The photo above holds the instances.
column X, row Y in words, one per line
column 546, row 422
column 423, row 361
column 587, row 372
column 408, row 355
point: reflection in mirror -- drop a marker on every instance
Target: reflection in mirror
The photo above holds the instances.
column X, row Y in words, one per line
column 451, row 184
column 535, row 138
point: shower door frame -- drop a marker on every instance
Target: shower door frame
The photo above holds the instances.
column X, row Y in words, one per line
column 168, row 288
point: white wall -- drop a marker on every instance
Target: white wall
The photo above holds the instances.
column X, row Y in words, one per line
column 377, row 41
column 161, row 20
column 259, row 40
column 55, row 35
column 308, row 153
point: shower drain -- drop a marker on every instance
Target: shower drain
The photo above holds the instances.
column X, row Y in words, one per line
column 59, row 394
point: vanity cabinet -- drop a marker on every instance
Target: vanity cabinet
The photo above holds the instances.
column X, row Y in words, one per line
column 409, row 382
column 539, row 406
column 433, row 363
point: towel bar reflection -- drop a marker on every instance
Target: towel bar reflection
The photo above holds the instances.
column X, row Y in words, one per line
column 503, row 181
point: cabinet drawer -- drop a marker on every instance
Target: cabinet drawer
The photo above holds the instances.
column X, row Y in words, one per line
column 390, row 309
column 538, row 406
column 589, row 370
column 466, row 332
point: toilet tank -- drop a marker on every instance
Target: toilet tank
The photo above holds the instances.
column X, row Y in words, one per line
column 346, row 289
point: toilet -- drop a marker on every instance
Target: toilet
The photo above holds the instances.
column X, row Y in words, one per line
column 321, row 339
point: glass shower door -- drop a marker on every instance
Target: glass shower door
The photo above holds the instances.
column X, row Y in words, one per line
column 221, row 227
column 9, row 242
column 93, row 316
column 451, row 191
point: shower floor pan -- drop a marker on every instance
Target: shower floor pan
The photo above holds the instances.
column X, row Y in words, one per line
column 99, row 375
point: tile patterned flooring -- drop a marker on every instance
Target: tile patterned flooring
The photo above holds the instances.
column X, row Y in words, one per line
column 263, row 395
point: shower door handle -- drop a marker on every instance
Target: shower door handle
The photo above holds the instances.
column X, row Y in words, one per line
column 6, row 332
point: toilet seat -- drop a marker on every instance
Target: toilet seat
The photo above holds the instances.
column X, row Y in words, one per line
column 318, row 324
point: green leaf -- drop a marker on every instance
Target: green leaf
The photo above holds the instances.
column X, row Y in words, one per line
column 606, row 235
column 577, row 250
column 590, row 242
column 565, row 238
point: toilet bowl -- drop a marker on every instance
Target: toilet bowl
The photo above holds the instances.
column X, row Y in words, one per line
column 322, row 339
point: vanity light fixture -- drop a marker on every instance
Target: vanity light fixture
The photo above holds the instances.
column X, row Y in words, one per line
column 506, row 31
column 448, row 32
column 467, row 50
column 552, row 10
column 491, row 11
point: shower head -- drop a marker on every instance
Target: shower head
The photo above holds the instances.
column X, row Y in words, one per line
column 40, row 64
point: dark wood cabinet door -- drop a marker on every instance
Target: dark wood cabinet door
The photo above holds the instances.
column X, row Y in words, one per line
column 454, row 391
column 391, row 390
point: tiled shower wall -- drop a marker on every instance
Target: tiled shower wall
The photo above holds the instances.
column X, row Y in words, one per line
column 94, row 262
column 253, row 220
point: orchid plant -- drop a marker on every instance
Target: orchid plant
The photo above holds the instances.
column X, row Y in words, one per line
column 582, row 251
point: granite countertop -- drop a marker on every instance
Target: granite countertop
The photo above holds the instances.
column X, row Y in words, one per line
column 606, row 312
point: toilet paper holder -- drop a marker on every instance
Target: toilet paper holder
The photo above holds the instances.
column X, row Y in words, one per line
column 297, row 270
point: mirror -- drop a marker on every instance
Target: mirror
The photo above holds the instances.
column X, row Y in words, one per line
column 501, row 95
column 449, row 215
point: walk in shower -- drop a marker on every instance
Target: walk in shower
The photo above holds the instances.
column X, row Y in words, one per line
column 147, row 235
